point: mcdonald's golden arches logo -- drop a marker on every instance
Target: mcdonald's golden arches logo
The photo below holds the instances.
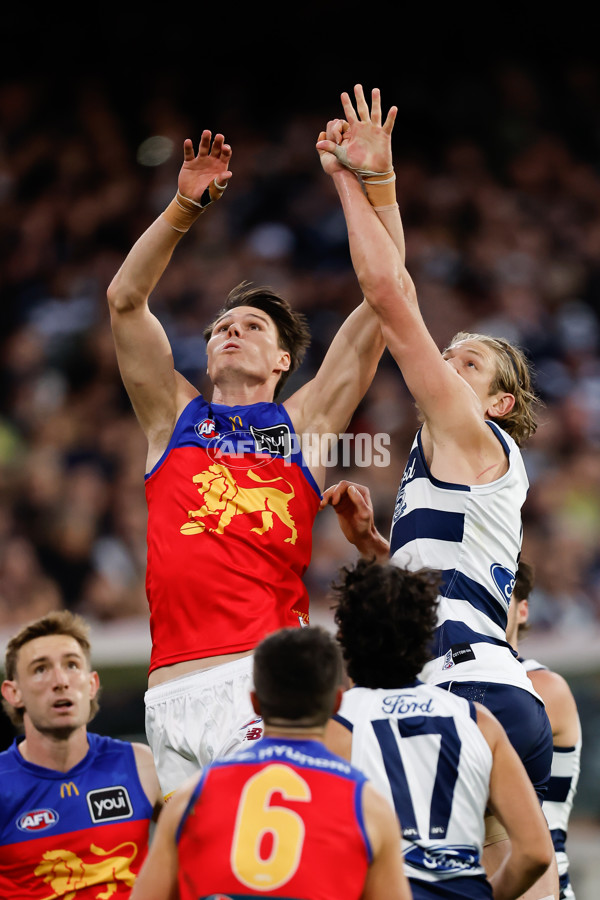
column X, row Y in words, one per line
column 68, row 787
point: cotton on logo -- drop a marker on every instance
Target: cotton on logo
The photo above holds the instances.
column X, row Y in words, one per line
column 37, row 820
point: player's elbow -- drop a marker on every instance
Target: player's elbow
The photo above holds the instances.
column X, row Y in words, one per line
column 388, row 291
column 537, row 856
column 122, row 299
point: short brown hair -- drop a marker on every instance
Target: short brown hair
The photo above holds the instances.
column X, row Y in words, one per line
column 524, row 582
column 513, row 375
column 61, row 622
column 292, row 327
column 297, row 672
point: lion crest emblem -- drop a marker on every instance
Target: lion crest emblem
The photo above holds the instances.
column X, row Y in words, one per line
column 67, row 873
column 223, row 499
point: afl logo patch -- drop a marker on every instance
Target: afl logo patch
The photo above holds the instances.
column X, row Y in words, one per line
column 504, row 580
column 206, row 429
column 109, row 803
column 37, row 820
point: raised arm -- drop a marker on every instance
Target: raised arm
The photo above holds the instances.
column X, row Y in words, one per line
column 326, row 404
column 452, row 410
column 157, row 392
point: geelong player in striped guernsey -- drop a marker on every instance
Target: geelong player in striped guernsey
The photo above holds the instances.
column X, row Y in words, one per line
column 566, row 729
column 440, row 759
column 458, row 508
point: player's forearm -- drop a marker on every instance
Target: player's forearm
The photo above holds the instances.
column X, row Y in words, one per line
column 392, row 222
column 517, row 874
column 381, row 194
column 143, row 266
column 373, row 546
column 376, row 259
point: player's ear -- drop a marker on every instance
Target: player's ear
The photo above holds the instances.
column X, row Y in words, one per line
column 338, row 699
column 255, row 703
column 523, row 611
column 285, row 361
column 501, row 406
column 12, row 694
column 94, row 684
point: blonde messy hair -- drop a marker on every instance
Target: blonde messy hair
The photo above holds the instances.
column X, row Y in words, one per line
column 513, row 375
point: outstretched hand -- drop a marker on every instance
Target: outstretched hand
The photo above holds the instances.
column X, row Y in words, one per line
column 210, row 164
column 359, row 142
column 352, row 503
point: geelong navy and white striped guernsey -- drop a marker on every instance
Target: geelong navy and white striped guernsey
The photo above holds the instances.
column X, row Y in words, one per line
column 472, row 533
column 422, row 749
column 558, row 802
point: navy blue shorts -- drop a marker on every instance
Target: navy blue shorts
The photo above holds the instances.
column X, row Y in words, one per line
column 524, row 719
column 475, row 887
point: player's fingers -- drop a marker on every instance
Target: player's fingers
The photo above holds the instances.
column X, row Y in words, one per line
column 326, row 146
column 335, row 130
column 390, row 119
column 217, row 145
column 327, row 495
column 188, row 150
column 348, row 108
column 204, row 147
column 222, row 179
column 376, row 106
column 360, row 497
column 361, row 104
column 226, row 152
column 337, row 492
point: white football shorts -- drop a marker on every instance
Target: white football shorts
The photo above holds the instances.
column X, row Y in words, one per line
column 200, row 717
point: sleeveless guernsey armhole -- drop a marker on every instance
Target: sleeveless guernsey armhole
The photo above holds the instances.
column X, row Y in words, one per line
column 303, row 464
column 179, row 424
column 447, row 485
column 342, row 721
column 358, row 808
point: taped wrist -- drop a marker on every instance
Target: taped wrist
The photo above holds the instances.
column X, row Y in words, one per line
column 380, row 189
column 182, row 212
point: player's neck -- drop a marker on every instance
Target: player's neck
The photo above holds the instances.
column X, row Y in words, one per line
column 284, row 732
column 242, row 393
column 53, row 751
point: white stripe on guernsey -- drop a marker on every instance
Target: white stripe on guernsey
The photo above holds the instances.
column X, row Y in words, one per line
column 562, row 862
column 462, row 611
column 418, row 495
column 464, row 557
column 532, row 665
column 557, row 813
column 566, row 765
column 429, row 553
column 492, row 663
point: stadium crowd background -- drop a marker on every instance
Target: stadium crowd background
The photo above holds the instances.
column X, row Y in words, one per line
column 498, row 177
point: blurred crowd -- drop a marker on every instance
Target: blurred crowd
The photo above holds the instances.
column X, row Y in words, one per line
column 499, row 187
